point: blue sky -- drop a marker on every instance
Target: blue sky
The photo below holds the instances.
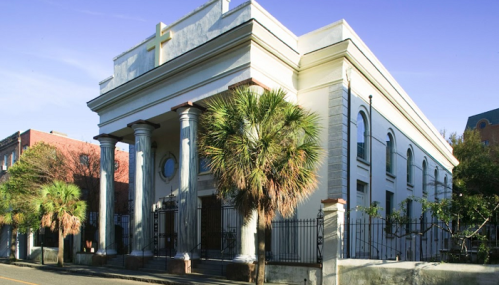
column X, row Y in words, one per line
column 445, row 53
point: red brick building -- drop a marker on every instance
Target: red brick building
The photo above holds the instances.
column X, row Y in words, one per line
column 487, row 124
column 83, row 162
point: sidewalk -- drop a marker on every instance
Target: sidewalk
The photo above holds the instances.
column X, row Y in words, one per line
column 157, row 278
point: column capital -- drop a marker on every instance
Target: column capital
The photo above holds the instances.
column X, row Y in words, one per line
column 188, row 113
column 143, row 122
column 249, row 82
column 188, row 105
column 104, row 137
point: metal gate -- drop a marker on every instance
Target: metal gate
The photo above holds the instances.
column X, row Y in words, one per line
column 218, row 226
column 165, row 227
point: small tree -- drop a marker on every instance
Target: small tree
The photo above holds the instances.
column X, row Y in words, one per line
column 63, row 211
column 37, row 166
column 264, row 154
column 478, row 169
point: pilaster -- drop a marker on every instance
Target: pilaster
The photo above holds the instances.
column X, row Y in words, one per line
column 334, row 214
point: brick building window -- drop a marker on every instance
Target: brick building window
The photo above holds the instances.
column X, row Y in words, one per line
column 84, row 160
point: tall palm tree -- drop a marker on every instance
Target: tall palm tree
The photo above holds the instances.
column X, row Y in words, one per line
column 264, row 153
column 62, row 210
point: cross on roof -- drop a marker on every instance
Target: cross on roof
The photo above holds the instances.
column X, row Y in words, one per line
column 157, row 41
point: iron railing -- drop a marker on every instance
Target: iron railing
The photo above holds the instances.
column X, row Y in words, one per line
column 289, row 241
column 420, row 240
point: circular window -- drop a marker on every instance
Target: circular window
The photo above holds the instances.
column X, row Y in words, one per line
column 168, row 167
column 482, row 125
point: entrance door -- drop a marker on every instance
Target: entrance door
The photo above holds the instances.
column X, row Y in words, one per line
column 361, row 223
column 211, row 226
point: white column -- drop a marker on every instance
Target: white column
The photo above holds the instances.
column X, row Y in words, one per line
column 106, row 197
column 142, row 237
column 334, row 213
column 188, row 171
column 247, row 240
column 247, row 233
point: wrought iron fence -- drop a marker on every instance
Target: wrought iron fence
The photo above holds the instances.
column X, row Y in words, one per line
column 420, row 240
column 90, row 233
column 289, row 241
column 296, row 241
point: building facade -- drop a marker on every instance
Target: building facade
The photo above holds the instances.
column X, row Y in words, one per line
column 82, row 160
column 379, row 146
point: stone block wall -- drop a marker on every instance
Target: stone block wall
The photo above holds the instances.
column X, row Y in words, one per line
column 337, row 141
column 288, row 274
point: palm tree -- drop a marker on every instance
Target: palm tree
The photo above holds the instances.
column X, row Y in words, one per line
column 62, row 210
column 20, row 190
column 264, row 153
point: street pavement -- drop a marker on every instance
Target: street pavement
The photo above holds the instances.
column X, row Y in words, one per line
column 70, row 269
column 16, row 275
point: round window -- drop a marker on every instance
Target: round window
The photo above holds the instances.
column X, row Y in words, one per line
column 168, row 167
column 482, row 125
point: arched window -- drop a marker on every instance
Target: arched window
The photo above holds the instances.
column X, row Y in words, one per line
column 361, row 136
column 389, row 153
column 445, row 188
column 436, row 185
column 409, row 166
column 425, row 190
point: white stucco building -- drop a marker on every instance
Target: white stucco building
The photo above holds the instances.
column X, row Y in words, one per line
column 159, row 86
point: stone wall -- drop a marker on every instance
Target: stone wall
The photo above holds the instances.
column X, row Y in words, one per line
column 360, row 271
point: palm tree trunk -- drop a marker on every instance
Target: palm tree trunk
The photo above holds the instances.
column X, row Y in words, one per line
column 13, row 242
column 60, row 254
column 261, row 247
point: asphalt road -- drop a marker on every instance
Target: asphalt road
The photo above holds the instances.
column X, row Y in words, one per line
column 15, row 275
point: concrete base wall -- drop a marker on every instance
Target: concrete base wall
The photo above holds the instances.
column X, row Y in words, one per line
column 83, row 258
column 358, row 271
column 286, row 274
column 49, row 254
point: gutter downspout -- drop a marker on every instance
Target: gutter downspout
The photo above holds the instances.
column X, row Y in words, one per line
column 349, row 117
column 370, row 168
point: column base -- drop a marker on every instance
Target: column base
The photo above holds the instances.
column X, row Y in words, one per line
column 179, row 266
column 108, row 252
column 140, row 253
column 135, row 262
column 244, row 258
column 101, row 260
column 241, row 272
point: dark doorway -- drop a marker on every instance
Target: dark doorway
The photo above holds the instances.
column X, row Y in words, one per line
column 211, row 226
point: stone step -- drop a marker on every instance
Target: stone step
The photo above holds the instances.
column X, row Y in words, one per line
column 116, row 262
column 211, row 267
